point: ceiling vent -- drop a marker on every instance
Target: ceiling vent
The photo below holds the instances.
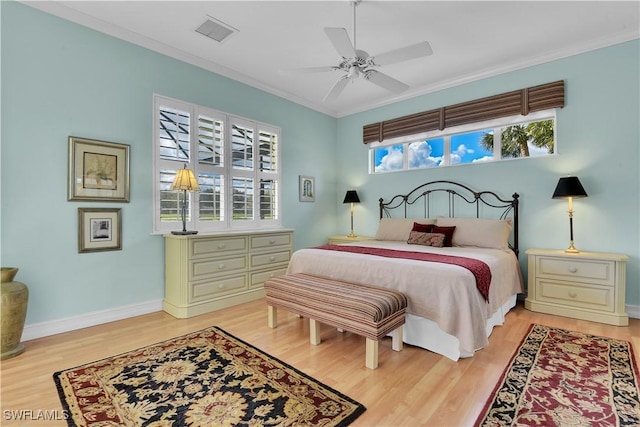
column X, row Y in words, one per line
column 216, row 30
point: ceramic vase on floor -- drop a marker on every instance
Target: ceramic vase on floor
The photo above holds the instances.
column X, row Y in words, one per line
column 15, row 296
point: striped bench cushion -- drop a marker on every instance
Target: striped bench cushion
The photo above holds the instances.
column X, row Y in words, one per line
column 364, row 310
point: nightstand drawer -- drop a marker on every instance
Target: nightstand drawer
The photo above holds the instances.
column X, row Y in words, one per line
column 592, row 297
column 593, row 271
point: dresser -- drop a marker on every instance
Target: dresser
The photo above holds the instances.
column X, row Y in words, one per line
column 206, row 272
column 583, row 285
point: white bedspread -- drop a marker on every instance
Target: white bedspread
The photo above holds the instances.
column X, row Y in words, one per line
column 443, row 293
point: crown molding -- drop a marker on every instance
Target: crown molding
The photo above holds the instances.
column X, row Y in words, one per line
column 64, row 12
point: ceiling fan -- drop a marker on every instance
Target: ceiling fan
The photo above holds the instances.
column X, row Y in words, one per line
column 356, row 62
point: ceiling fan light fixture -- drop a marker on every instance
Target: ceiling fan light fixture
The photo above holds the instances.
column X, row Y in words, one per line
column 354, row 72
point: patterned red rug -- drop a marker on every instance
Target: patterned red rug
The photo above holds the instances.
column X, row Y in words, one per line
column 564, row 378
column 207, row 378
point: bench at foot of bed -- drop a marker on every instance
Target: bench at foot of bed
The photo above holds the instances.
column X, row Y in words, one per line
column 364, row 310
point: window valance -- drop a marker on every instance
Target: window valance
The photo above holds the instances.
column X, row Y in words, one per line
column 522, row 101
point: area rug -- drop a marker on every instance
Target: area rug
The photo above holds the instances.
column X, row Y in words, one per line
column 206, row 378
column 564, row 378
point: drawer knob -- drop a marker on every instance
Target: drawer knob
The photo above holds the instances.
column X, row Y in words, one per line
column 573, row 269
column 221, row 266
column 271, row 242
column 221, row 286
column 572, row 294
column 221, row 246
column 272, row 258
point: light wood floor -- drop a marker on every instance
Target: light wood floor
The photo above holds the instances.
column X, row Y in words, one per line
column 410, row 388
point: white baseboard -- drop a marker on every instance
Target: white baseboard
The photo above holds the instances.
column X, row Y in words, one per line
column 633, row 311
column 43, row 329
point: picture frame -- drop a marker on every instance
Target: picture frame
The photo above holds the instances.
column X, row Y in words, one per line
column 99, row 229
column 98, row 170
column 307, row 188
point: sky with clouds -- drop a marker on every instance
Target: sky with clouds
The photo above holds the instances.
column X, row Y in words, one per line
column 465, row 148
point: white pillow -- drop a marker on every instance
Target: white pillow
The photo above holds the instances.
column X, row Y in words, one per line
column 398, row 228
column 479, row 232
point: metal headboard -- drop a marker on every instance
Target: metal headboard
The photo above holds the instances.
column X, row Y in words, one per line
column 455, row 191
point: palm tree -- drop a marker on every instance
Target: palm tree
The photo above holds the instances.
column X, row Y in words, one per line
column 515, row 138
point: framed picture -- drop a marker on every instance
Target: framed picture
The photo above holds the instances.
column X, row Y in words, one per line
column 99, row 229
column 307, row 188
column 98, row 170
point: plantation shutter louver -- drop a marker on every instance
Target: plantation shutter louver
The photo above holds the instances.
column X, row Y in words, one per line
column 523, row 101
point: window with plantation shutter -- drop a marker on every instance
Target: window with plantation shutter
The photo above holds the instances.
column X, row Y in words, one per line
column 238, row 179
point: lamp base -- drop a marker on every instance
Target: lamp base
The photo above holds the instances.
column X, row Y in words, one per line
column 183, row 233
column 352, row 234
column 572, row 249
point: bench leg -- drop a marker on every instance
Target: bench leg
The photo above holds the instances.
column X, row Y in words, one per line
column 396, row 339
column 272, row 316
column 314, row 332
column 372, row 354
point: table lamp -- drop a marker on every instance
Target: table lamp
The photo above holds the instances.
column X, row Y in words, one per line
column 569, row 188
column 184, row 181
column 351, row 197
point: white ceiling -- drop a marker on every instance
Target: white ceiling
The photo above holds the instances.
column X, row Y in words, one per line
column 470, row 39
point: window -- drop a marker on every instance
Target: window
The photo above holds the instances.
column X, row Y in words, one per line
column 500, row 139
column 236, row 162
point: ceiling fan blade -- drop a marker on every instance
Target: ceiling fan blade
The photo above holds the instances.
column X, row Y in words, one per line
column 385, row 81
column 341, row 41
column 337, row 88
column 403, row 54
column 308, row 70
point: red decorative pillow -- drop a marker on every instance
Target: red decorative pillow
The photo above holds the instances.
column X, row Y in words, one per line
column 422, row 228
column 426, row 239
column 448, row 234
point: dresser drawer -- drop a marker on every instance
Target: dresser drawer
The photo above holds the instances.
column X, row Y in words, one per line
column 592, row 271
column 592, row 297
column 270, row 240
column 270, row 258
column 206, row 290
column 208, row 267
column 259, row 278
column 207, row 247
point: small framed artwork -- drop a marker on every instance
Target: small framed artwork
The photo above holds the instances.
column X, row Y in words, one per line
column 99, row 229
column 307, row 189
column 98, row 170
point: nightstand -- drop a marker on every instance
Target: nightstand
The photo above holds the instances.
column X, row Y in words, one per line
column 336, row 240
column 583, row 285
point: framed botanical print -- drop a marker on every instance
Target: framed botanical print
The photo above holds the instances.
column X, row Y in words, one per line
column 99, row 229
column 307, row 189
column 98, row 170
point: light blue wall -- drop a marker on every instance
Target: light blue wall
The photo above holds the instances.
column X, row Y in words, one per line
column 598, row 139
column 61, row 79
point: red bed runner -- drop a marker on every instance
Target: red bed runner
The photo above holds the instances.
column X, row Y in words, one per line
column 479, row 269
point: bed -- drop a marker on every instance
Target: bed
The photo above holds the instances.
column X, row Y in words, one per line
column 450, row 309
